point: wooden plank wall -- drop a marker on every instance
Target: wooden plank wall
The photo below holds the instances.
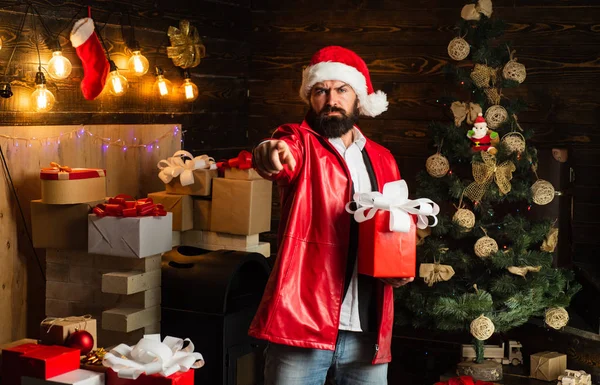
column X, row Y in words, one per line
column 404, row 43
column 215, row 123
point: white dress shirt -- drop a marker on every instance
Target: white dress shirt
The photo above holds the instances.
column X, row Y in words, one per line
column 349, row 319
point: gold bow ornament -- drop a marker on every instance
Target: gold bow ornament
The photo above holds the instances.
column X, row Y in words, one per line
column 523, row 270
column 462, row 111
column 551, row 241
column 487, row 171
column 434, row 272
column 57, row 167
column 186, row 48
column 474, row 11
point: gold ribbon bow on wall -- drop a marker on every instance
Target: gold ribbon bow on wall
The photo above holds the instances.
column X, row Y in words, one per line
column 186, row 47
column 474, row 11
column 434, row 272
column 462, row 111
column 486, row 171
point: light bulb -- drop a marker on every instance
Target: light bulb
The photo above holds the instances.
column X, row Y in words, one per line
column 189, row 90
column 138, row 64
column 42, row 99
column 163, row 86
column 0, row 43
column 59, row 67
column 117, row 84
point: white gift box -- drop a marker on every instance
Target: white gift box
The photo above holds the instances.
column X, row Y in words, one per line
column 133, row 237
column 75, row 377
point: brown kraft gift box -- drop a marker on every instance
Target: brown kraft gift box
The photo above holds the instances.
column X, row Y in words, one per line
column 179, row 205
column 60, row 226
column 547, row 366
column 202, row 208
column 241, row 206
column 54, row 331
column 201, row 186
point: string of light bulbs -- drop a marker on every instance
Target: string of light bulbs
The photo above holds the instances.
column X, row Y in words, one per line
column 105, row 142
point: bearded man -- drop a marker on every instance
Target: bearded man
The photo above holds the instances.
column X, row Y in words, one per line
column 320, row 316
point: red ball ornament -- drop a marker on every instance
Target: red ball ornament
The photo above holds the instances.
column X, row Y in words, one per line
column 82, row 340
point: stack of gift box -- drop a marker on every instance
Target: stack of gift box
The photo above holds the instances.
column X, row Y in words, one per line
column 212, row 212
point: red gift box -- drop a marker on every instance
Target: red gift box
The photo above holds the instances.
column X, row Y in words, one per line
column 383, row 253
column 178, row 378
column 11, row 375
column 49, row 361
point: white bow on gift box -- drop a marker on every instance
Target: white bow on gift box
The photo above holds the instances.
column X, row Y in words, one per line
column 150, row 356
column 175, row 166
column 395, row 200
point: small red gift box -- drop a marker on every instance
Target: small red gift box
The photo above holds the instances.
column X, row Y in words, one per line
column 63, row 185
column 49, row 361
column 11, row 375
column 383, row 253
column 179, row 378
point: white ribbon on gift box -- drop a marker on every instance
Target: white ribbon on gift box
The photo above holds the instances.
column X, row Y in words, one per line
column 174, row 167
column 395, row 200
column 150, row 356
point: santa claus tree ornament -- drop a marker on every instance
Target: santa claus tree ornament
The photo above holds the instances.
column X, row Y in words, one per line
column 482, row 328
column 82, row 340
column 542, row 192
column 485, row 246
column 482, row 139
column 458, row 49
column 495, row 116
column 557, row 317
column 464, row 218
column 437, row 165
column 94, row 62
column 514, row 70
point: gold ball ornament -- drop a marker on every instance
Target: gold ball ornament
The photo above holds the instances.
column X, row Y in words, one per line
column 485, row 246
column 514, row 142
column 495, row 116
column 482, row 328
column 557, row 317
column 464, row 218
column 543, row 192
column 514, row 70
column 437, row 165
column 458, row 49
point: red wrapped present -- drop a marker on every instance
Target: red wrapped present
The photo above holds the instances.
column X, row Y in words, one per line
column 387, row 239
column 463, row 380
column 178, row 378
column 11, row 375
column 65, row 185
column 49, row 361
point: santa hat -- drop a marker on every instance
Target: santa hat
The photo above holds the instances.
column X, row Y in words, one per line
column 480, row 121
column 338, row 63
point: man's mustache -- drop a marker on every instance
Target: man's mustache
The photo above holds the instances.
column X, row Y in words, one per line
column 328, row 109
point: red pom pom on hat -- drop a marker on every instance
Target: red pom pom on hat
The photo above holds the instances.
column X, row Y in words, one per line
column 339, row 63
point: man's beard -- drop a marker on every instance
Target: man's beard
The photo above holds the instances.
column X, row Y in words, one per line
column 332, row 126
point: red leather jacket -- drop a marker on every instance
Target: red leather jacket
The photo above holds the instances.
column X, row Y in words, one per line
column 303, row 297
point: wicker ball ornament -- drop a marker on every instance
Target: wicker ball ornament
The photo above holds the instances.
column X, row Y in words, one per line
column 482, row 328
column 437, row 165
column 557, row 317
column 485, row 246
column 543, row 192
column 464, row 218
column 458, row 49
column 514, row 142
column 514, row 70
column 495, row 116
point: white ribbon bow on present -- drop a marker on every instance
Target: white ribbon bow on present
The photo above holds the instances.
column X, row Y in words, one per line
column 150, row 356
column 395, row 200
column 175, row 166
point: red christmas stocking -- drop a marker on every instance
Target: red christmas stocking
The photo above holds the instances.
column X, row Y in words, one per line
column 95, row 66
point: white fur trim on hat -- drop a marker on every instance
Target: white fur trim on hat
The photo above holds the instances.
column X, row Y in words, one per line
column 82, row 30
column 370, row 105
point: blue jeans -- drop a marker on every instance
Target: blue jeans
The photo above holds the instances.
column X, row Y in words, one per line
column 349, row 364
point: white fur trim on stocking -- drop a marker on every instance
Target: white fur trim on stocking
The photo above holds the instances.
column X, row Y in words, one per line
column 82, row 30
column 370, row 105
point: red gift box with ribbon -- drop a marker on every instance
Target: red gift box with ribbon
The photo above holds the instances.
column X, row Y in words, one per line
column 178, row 378
column 125, row 227
column 463, row 380
column 387, row 233
column 11, row 374
column 48, row 361
column 66, row 185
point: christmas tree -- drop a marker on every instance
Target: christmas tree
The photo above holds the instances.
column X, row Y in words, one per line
column 486, row 267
